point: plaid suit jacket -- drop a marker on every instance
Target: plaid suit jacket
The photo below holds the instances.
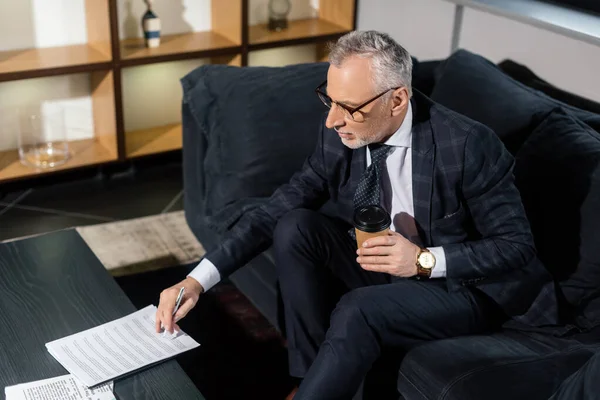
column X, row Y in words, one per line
column 464, row 200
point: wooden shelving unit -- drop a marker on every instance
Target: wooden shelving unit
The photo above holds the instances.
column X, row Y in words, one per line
column 88, row 152
column 182, row 44
column 104, row 56
column 22, row 64
column 155, row 140
column 307, row 29
column 84, row 153
column 335, row 18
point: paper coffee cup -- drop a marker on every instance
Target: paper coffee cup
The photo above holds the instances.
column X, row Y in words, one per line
column 369, row 222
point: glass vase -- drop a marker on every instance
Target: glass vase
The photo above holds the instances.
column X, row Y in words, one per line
column 42, row 138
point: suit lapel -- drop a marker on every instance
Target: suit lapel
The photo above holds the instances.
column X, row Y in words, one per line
column 423, row 158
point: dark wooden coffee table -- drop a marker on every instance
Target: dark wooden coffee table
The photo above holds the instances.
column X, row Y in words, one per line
column 53, row 286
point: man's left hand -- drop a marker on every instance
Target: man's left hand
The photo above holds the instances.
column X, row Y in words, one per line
column 392, row 254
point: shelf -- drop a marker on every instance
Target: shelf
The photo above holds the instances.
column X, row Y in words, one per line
column 155, row 140
column 83, row 153
column 173, row 47
column 29, row 63
column 298, row 31
column 110, row 61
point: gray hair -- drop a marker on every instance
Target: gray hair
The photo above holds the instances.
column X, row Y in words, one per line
column 391, row 63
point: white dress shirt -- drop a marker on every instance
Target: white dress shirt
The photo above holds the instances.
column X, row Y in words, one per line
column 397, row 200
column 397, row 192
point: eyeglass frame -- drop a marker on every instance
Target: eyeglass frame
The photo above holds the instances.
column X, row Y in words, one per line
column 351, row 110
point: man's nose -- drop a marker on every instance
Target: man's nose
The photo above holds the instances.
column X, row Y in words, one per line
column 335, row 117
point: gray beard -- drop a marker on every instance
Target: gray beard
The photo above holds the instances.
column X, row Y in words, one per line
column 355, row 144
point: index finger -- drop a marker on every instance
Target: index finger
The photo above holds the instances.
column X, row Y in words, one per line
column 165, row 309
column 157, row 321
column 379, row 241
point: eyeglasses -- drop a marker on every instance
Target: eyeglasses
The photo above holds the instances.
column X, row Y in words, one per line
column 351, row 113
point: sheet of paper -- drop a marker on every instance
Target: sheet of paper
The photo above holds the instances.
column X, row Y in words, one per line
column 65, row 387
column 116, row 348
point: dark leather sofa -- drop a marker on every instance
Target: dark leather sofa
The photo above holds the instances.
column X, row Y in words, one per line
column 247, row 130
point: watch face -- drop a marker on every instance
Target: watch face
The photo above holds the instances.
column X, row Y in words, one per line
column 427, row 260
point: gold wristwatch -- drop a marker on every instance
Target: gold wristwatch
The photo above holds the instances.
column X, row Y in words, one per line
column 425, row 263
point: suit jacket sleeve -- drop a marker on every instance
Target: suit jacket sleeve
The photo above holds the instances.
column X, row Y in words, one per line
column 494, row 203
column 254, row 231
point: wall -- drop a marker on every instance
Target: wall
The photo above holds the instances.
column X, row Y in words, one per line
column 152, row 93
column 563, row 61
column 41, row 23
column 424, row 27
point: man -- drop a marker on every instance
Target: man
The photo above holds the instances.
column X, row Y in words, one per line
column 460, row 257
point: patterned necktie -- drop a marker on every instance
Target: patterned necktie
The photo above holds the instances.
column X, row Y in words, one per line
column 367, row 192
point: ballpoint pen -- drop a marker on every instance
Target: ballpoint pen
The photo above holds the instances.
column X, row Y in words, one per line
column 177, row 304
column 178, row 301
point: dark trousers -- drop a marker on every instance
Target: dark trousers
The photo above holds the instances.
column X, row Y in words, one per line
column 339, row 318
column 583, row 384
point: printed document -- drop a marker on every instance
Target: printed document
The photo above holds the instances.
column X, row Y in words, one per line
column 65, row 387
column 117, row 348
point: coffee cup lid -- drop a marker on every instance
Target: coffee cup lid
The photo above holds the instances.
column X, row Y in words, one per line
column 371, row 219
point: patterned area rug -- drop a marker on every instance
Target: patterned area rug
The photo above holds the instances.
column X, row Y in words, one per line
column 143, row 244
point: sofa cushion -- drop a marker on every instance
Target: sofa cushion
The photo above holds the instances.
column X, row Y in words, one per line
column 475, row 87
column 423, row 75
column 260, row 125
column 527, row 77
column 509, row 365
column 557, row 171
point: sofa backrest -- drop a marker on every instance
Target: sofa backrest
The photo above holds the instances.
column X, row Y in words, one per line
column 258, row 124
column 558, row 173
column 557, row 169
column 473, row 86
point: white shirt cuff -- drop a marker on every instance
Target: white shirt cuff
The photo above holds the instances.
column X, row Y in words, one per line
column 206, row 274
column 439, row 270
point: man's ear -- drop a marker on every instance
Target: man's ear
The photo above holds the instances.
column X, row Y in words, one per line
column 400, row 100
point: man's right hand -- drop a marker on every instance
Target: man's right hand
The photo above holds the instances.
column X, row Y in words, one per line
column 168, row 298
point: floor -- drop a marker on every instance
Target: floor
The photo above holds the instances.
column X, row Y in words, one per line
column 242, row 355
column 131, row 194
